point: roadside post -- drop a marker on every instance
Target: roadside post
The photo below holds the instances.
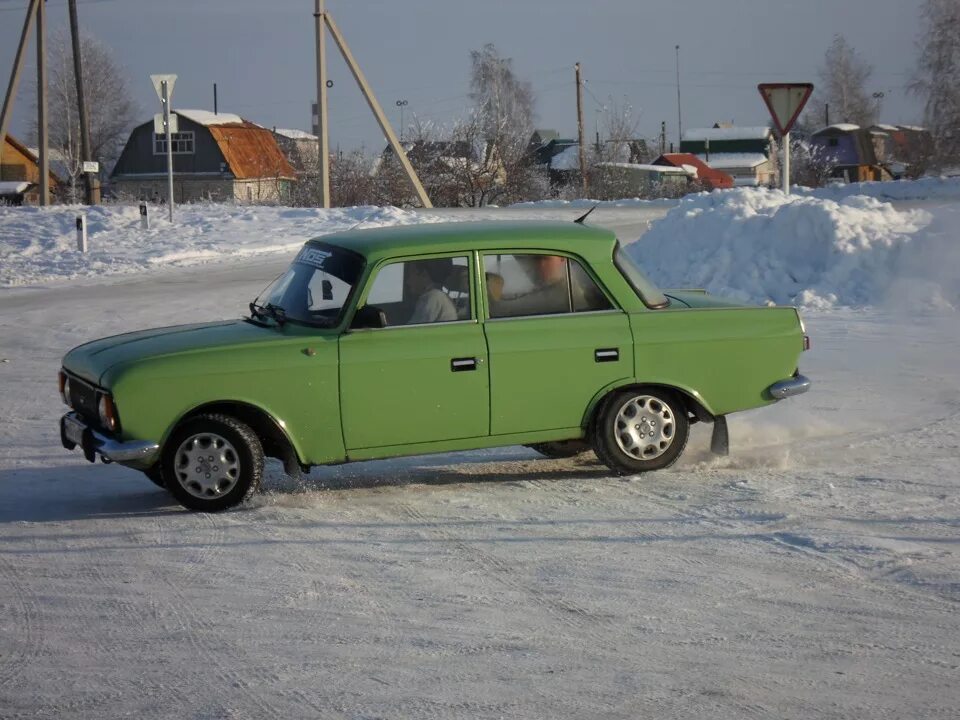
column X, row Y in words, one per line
column 785, row 101
column 144, row 217
column 82, row 233
column 163, row 84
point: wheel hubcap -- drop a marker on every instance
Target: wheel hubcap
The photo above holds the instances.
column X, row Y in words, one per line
column 207, row 465
column 644, row 427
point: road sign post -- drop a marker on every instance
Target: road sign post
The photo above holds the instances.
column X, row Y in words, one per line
column 785, row 101
column 163, row 84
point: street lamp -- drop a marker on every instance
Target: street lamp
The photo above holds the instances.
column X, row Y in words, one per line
column 878, row 98
column 401, row 104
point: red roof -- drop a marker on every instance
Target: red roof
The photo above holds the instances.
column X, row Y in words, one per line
column 713, row 179
column 251, row 151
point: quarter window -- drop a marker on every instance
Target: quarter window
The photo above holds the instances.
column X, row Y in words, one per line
column 539, row 284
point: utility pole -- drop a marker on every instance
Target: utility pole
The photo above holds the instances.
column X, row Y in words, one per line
column 320, row 16
column 44, row 135
column 679, row 111
column 214, row 98
column 663, row 137
column 11, row 95
column 580, row 140
column 91, row 180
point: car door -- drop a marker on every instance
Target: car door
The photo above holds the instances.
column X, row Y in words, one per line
column 555, row 340
column 422, row 378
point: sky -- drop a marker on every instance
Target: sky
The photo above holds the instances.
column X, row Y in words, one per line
column 261, row 55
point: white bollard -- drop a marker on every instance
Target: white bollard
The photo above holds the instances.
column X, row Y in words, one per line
column 82, row 233
column 144, row 217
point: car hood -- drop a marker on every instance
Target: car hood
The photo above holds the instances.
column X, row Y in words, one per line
column 700, row 299
column 91, row 360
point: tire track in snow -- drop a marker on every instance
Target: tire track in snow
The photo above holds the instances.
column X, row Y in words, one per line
column 22, row 651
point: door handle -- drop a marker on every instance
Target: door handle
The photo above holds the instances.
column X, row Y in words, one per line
column 463, row 364
column 606, row 355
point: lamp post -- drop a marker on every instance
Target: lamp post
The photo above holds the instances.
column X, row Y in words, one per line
column 877, row 99
column 679, row 112
column 401, row 104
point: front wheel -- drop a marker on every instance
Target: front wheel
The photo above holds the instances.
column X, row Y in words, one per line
column 640, row 430
column 212, row 462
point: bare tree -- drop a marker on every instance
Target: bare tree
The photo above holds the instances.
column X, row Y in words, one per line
column 937, row 76
column 843, row 84
column 111, row 111
column 811, row 164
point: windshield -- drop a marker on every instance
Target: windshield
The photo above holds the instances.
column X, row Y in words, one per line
column 648, row 292
column 315, row 289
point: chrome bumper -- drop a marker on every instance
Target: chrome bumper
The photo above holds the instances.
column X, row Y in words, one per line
column 797, row 385
column 74, row 431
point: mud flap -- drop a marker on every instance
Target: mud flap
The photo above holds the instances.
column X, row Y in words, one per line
column 720, row 440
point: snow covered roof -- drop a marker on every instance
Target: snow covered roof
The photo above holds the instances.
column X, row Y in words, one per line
column 842, row 127
column 722, row 161
column 731, row 133
column 885, row 128
column 13, row 187
column 295, row 134
column 663, row 169
column 566, row 159
column 207, row 118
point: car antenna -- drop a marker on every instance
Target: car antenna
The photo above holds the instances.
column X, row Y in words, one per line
column 583, row 217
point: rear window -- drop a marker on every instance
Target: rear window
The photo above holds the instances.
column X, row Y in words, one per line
column 648, row 292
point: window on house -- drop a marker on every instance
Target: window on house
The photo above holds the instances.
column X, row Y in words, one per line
column 182, row 143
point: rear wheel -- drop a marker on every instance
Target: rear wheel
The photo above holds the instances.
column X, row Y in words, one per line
column 640, row 430
column 212, row 462
column 561, row 448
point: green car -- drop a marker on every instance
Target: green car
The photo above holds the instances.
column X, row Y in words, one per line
column 426, row 339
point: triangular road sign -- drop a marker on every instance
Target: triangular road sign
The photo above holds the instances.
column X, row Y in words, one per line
column 158, row 79
column 785, row 101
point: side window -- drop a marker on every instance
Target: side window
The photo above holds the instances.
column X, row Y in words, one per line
column 534, row 284
column 418, row 292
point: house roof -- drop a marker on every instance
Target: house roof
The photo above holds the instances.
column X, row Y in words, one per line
column 726, row 161
column 566, row 159
column 14, row 187
column 727, row 133
column 645, row 167
column 294, row 134
column 251, row 151
column 837, row 128
column 207, row 118
column 704, row 172
column 34, row 156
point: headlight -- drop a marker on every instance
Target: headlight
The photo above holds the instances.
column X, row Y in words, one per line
column 64, row 383
column 108, row 412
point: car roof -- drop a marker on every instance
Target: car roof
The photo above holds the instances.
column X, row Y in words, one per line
column 384, row 242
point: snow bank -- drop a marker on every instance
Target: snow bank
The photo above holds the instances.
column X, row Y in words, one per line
column 928, row 188
column 761, row 245
column 39, row 244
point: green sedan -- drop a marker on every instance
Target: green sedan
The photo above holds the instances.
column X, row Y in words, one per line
column 426, row 339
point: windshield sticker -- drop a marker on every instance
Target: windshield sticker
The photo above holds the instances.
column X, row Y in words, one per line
column 313, row 257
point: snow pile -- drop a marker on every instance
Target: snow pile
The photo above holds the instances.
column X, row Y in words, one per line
column 928, row 188
column 39, row 244
column 760, row 246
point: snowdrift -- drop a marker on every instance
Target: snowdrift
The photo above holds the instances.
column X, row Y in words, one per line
column 763, row 246
column 39, row 244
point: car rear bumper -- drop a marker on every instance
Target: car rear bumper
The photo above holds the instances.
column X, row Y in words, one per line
column 797, row 385
column 74, row 431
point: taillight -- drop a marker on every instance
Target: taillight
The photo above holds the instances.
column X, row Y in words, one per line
column 806, row 342
column 108, row 412
column 64, row 383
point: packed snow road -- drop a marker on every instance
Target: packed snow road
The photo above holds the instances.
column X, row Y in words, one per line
column 813, row 573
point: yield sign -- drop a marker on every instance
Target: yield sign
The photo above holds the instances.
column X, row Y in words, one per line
column 785, row 101
column 158, row 81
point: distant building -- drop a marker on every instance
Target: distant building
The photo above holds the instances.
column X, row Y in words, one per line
column 215, row 157
column 20, row 174
column 854, row 152
column 641, row 179
column 299, row 147
column 710, row 178
column 748, row 154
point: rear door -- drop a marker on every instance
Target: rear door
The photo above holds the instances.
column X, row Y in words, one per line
column 555, row 340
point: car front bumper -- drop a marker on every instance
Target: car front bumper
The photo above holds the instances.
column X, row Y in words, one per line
column 74, row 431
column 797, row 385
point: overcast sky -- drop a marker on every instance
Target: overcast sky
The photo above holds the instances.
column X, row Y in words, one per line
column 261, row 55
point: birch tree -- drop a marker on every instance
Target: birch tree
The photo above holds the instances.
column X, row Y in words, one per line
column 843, row 85
column 937, row 76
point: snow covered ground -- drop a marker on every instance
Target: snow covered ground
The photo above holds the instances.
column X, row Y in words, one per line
column 812, row 573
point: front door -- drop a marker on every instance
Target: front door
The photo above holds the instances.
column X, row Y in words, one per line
column 424, row 377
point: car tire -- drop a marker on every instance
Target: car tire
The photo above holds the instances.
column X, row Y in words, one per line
column 640, row 430
column 561, row 448
column 155, row 475
column 212, row 463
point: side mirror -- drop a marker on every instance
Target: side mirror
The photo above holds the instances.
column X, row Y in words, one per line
column 369, row 316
